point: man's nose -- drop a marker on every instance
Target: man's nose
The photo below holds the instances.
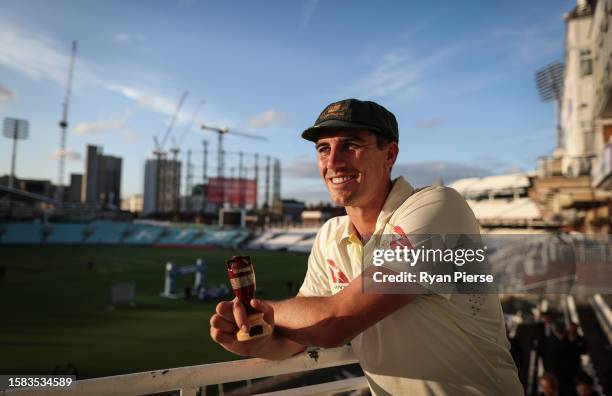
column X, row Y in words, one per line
column 336, row 158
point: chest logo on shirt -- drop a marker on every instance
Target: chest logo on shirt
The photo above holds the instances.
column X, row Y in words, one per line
column 400, row 242
column 337, row 275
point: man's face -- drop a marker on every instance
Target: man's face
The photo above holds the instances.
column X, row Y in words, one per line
column 353, row 168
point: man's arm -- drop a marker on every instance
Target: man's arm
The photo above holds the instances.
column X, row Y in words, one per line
column 335, row 320
column 223, row 327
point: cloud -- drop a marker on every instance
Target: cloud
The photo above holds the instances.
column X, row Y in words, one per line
column 126, row 37
column 38, row 56
column 529, row 44
column 265, row 119
column 6, row 94
column 99, row 126
column 70, row 155
column 425, row 173
column 402, row 72
column 302, row 167
column 432, row 123
column 129, row 135
column 310, row 193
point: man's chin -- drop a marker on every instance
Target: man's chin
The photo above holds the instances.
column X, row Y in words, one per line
column 341, row 200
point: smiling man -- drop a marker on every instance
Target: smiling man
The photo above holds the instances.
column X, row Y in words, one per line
column 418, row 342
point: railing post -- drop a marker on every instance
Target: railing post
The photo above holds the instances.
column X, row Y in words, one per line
column 189, row 392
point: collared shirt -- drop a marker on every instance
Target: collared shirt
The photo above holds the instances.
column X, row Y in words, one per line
column 438, row 344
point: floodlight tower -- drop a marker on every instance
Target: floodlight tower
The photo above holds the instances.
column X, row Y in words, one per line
column 15, row 129
column 549, row 81
column 64, row 126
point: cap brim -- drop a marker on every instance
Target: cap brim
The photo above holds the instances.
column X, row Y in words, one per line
column 313, row 132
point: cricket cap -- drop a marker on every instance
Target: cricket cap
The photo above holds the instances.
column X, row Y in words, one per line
column 353, row 114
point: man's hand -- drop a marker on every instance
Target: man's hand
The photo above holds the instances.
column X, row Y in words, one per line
column 231, row 316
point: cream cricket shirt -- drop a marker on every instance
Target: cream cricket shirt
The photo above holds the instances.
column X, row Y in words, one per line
column 452, row 344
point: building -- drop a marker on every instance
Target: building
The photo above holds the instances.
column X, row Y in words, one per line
column 102, row 179
column 75, row 188
column 162, row 184
column 34, row 186
column 290, row 210
column 574, row 185
column 133, row 203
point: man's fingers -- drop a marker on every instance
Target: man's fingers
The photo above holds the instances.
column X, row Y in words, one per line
column 225, row 310
column 240, row 315
column 221, row 337
column 219, row 322
column 265, row 308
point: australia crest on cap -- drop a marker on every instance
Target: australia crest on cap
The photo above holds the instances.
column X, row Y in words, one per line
column 334, row 110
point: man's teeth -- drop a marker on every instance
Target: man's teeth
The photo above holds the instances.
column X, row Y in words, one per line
column 338, row 180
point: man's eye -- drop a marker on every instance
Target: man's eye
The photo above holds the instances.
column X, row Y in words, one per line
column 323, row 150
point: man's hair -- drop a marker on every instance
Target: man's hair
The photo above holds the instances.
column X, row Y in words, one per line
column 381, row 141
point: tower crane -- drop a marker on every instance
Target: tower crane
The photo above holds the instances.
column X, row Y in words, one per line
column 63, row 124
column 220, row 153
column 160, row 154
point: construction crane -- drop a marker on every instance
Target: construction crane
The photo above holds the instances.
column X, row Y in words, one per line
column 176, row 145
column 220, row 153
column 63, row 127
column 160, row 154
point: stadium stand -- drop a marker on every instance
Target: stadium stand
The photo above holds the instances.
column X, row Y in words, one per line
column 142, row 234
column 225, row 238
column 505, row 209
column 21, row 233
column 303, row 246
column 106, row 232
column 287, row 240
column 259, row 241
column 111, row 232
column 66, row 233
column 179, row 236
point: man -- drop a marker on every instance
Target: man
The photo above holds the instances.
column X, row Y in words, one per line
column 416, row 344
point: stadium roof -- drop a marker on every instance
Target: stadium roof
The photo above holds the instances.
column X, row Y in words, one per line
column 491, row 184
column 506, row 209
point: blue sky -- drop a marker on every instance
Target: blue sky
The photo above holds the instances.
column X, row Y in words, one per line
column 457, row 75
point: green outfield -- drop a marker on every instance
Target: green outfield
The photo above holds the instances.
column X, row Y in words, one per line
column 55, row 309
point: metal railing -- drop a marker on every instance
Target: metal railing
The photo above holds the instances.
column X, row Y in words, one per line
column 192, row 380
column 604, row 315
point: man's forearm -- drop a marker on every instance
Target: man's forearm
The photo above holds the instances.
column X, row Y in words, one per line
column 309, row 321
column 279, row 348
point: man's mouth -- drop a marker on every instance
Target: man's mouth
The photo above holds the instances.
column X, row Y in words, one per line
column 342, row 179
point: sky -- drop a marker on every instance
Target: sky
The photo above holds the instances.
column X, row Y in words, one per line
column 459, row 77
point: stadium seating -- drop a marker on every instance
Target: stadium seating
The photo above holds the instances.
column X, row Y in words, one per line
column 259, row 241
column 66, row 233
column 286, row 240
column 303, row 246
column 110, row 232
column 142, row 234
column 179, row 236
column 106, row 232
column 21, row 233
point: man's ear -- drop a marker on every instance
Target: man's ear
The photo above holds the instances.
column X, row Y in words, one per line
column 392, row 152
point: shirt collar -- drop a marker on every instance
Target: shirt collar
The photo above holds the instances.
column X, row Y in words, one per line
column 400, row 191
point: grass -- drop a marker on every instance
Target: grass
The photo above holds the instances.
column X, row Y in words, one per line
column 55, row 310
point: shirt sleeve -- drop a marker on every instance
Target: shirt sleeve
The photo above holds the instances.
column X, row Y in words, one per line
column 435, row 218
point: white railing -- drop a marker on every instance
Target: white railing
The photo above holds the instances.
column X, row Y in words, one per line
column 604, row 315
column 193, row 379
column 587, row 365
